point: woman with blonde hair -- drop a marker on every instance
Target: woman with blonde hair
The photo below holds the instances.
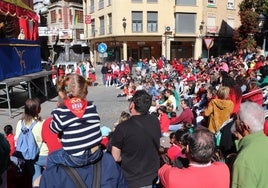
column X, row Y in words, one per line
column 219, row 109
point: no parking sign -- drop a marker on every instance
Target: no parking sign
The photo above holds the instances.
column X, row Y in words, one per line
column 102, row 48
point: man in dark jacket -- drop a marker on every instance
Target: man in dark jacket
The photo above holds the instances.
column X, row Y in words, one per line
column 111, row 175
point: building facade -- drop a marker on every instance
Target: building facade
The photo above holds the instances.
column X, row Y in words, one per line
column 220, row 18
column 145, row 28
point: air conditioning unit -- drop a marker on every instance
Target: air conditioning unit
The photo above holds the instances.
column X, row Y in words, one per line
column 168, row 29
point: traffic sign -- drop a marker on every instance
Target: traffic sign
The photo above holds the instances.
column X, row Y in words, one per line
column 102, row 47
column 208, row 42
column 102, row 55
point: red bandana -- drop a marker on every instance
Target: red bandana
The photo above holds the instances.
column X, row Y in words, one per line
column 76, row 105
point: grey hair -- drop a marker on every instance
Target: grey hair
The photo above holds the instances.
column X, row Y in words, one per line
column 252, row 115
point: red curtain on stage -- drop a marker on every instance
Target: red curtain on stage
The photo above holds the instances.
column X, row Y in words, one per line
column 25, row 15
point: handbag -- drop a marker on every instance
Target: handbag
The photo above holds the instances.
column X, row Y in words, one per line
column 78, row 180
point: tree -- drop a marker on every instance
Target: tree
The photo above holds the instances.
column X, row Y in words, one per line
column 248, row 35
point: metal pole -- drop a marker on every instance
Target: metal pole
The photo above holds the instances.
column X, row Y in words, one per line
column 165, row 45
column 264, row 43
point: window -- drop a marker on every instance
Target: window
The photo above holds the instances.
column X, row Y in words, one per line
column 102, row 27
column 59, row 15
column 230, row 4
column 78, row 33
column 185, row 23
column 152, row 18
column 53, row 16
column 93, row 30
column 136, row 21
column 79, row 15
column 152, row 1
column 101, row 4
column 212, row 3
column 185, row 2
column 91, row 6
column 136, row 1
column 109, row 2
column 110, row 23
column 211, row 23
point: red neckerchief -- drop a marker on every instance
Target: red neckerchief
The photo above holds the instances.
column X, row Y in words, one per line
column 76, row 105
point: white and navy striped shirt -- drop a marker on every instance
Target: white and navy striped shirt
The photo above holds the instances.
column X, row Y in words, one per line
column 79, row 134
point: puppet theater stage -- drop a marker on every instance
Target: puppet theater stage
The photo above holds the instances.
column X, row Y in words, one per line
column 20, row 60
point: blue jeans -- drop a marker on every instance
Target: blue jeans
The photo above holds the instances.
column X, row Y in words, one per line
column 62, row 157
column 39, row 166
column 175, row 127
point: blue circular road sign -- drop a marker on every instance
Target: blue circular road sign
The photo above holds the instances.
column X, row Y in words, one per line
column 102, row 48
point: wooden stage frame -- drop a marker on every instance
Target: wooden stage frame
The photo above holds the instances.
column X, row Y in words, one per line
column 9, row 83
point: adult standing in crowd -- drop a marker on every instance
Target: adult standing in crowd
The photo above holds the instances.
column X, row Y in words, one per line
column 130, row 62
column 201, row 172
column 104, row 70
column 136, row 141
column 250, row 167
column 31, row 116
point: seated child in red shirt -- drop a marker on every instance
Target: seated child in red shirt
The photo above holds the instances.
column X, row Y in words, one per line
column 10, row 138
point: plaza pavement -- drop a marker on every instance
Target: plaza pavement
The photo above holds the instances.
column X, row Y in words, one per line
column 108, row 105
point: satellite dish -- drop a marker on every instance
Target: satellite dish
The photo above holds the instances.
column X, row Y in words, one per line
column 168, row 28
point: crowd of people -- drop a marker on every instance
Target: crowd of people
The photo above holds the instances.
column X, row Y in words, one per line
column 213, row 112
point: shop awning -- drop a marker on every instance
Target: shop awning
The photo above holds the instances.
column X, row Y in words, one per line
column 19, row 9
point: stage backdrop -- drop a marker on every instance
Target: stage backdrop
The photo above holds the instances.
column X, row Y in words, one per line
column 19, row 57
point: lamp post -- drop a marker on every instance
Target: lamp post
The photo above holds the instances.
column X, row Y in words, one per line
column 261, row 25
column 201, row 30
column 124, row 24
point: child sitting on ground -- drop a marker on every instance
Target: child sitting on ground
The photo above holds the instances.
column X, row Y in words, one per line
column 10, row 138
column 123, row 117
column 124, row 92
column 176, row 147
column 164, row 120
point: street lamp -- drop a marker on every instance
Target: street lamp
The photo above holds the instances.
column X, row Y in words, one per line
column 201, row 30
column 201, row 27
column 261, row 25
column 124, row 24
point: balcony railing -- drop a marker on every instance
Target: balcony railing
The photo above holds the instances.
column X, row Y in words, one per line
column 212, row 29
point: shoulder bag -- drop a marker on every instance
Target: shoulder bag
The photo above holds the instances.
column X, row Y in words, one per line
column 78, row 180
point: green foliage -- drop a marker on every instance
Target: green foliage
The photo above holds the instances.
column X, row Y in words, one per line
column 244, row 36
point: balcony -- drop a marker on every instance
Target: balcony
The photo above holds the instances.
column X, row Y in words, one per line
column 212, row 30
